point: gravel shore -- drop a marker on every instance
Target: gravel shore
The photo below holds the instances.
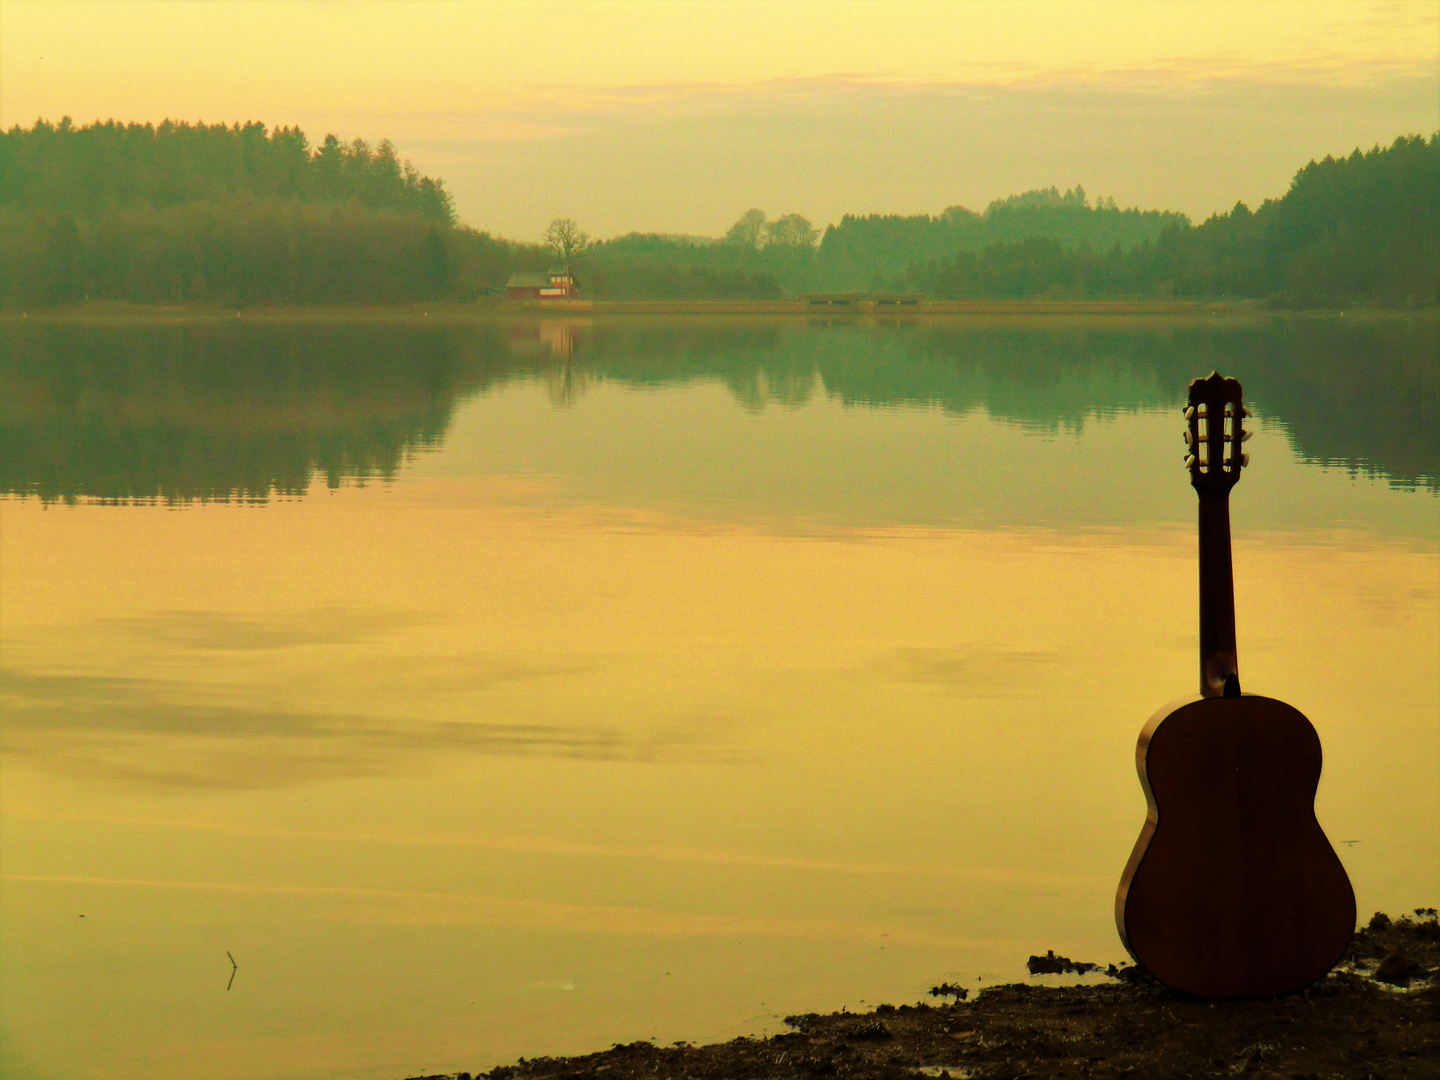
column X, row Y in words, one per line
column 1377, row 1015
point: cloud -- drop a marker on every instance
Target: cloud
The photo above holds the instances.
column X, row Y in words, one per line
column 555, row 112
column 155, row 733
column 688, row 158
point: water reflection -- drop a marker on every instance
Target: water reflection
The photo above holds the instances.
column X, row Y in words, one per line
column 206, row 413
column 110, row 728
column 210, row 412
column 560, row 739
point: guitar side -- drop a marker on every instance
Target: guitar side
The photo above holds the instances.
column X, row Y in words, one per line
column 1152, row 815
column 1232, row 889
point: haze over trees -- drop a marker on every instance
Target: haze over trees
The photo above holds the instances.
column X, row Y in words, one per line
column 758, row 259
column 1362, row 229
column 88, row 170
column 241, row 214
column 749, row 231
column 230, row 214
column 861, row 247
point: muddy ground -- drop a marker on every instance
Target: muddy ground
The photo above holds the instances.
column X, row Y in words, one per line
column 1376, row 1016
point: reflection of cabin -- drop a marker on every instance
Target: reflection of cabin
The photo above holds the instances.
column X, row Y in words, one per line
column 551, row 337
column 554, row 285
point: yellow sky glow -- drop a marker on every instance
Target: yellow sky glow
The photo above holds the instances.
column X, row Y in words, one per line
column 532, row 110
column 150, row 60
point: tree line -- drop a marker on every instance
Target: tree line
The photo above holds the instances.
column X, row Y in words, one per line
column 763, row 258
column 242, row 214
column 242, row 250
column 86, row 170
column 860, row 248
column 1362, row 229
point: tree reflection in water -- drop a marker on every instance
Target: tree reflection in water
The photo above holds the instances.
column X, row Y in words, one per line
column 208, row 411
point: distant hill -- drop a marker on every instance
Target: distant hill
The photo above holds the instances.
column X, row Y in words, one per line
column 855, row 251
column 1357, row 230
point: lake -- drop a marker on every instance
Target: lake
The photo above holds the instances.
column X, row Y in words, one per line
column 521, row 687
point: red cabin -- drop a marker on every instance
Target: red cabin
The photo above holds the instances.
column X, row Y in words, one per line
column 554, row 285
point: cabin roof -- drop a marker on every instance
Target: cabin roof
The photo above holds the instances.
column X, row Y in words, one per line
column 532, row 279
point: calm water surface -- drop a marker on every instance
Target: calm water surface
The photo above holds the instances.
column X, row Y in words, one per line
column 518, row 689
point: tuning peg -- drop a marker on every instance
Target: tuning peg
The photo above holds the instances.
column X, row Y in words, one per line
column 1245, row 434
column 1190, row 413
column 1246, row 412
column 1189, row 461
column 1189, row 438
column 1244, row 460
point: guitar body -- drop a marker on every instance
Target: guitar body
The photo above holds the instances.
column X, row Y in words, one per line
column 1233, row 890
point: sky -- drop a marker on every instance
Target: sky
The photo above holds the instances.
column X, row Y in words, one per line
column 678, row 116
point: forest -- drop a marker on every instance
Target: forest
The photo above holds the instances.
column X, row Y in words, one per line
column 242, row 214
column 1358, row 230
column 236, row 215
column 762, row 259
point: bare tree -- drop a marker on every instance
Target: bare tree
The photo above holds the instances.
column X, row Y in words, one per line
column 749, row 231
column 792, row 230
column 567, row 240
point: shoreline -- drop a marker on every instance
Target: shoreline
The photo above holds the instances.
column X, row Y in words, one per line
column 1377, row 1014
column 829, row 309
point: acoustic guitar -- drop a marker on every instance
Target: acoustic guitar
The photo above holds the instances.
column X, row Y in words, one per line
column 1232, row 890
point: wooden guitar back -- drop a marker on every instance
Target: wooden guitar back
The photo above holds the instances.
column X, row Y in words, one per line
column 1232, row 889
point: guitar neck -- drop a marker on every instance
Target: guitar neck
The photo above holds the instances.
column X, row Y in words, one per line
column 1218, row 663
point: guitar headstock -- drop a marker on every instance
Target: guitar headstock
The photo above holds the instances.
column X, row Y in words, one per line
column 1214, row 430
